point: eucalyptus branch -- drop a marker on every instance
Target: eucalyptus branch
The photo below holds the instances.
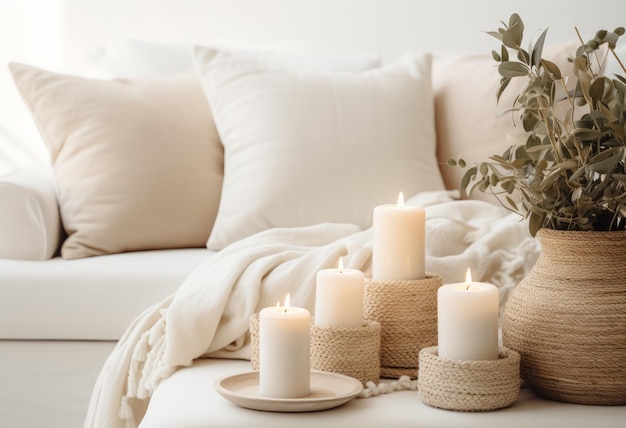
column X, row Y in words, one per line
column 559, row 186
column 619, row 61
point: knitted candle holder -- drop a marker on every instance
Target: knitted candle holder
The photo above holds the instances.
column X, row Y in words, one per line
column 407, row 313
column 352, row 352
column 469, row 386
column 254, row 341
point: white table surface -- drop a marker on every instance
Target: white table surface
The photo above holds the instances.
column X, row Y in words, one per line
column 188, row 399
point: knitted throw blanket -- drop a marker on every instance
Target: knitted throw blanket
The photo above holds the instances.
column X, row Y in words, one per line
column 208, row 316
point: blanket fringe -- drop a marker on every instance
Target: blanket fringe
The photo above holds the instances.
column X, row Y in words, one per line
column 146, row 358
column 126, row 410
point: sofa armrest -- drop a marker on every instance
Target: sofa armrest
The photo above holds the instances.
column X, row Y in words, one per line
column 30, row 226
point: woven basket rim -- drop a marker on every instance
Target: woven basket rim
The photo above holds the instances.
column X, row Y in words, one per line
column 585, row 234
column 505, row 356
column 367, row 325
column 429, row 276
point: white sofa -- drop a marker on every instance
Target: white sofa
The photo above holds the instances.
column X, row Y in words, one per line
column 60, row 317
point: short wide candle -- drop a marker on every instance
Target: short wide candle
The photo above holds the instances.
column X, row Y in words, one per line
column 398, row 242
column 284, row 352
column 467, row 321
column 339, row 297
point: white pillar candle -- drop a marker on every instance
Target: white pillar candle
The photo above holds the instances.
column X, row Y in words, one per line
column 398, row 246
column 284, row 352
column 339, row 297
column 467, row 320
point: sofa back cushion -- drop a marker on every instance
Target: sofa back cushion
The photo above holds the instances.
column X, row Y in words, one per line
column 138, row 163
column 466, row 108
column 305, row 146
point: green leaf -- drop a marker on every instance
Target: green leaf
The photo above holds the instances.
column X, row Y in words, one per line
column 504, row 53
column 503, row 84
column 552, row 68
column 535, row 222
column 605, row 161
column 513, row 69
column 538, row 148
column 586, row 134
column 515, row 19
column 495, row 34
column 538, row 49
column 495, row 56
column 469, row 175
column 511, row 203
column 611, row 39
column 523, row 56
column 619, row 31
column 512, row 37
column 596, row 90
column 483, row 168
column 620, row 177
column 576, row 175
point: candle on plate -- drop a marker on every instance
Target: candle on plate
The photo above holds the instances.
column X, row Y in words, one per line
column 339, row 297
column 284, row 351
column 398, row 246
column 467, row 320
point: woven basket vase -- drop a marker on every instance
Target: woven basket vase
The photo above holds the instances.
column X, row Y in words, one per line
column 567, row 318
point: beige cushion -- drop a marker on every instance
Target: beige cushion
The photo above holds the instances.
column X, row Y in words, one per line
column 138, row 163
column 305, row 147
column 465, row 89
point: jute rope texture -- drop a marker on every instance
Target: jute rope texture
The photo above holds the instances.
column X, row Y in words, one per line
column 567, row 318
column 352, row 352
column 407, row 312
column 469, row 386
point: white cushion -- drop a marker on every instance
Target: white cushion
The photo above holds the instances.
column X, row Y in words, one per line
column 304, row 147
column 29, row 219
column 137, row 162
column 93, row 298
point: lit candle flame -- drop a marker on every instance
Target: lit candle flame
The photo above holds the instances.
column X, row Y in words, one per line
column 285, row 306
column 400, row 200
column 468, row 279
column 287, row 302
column 340, row 264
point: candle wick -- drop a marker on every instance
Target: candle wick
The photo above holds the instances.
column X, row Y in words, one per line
column 468, row 287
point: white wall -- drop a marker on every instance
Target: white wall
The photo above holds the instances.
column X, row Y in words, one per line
column 389, row 26
column 91, row 37
column 30, row 32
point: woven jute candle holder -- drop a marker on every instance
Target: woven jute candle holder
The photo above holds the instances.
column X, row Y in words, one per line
column 352, row 352
column 407, row 313
column 469, row 386
column 254, row 341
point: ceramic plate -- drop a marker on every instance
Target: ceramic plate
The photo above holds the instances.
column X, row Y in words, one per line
column 328, row 390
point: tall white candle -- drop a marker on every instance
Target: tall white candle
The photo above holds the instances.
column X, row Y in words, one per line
column 284, row 352
column 339, row 297
column 399, row 245
column 467, row 320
